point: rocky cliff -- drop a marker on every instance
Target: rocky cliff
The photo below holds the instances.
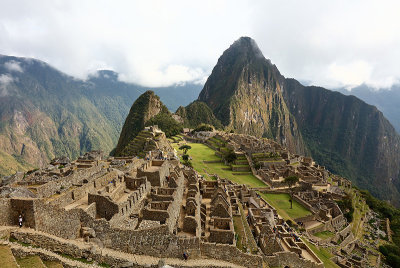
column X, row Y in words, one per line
column 245, row 90
column 349, row 137
column 248, row 94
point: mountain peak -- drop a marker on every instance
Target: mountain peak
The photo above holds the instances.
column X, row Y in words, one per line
column 246, row 45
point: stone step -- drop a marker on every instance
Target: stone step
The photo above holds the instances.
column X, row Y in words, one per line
column 30, row 262
column 7, row 258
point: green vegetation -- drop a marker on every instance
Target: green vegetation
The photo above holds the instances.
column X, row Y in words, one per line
column 390, row 251
column 392, row 254
column 197, row 113
column 346, row 206
column 201, row 153
column 291, row 181
column 145, row 106
column 281, row 203
column 166, row 123
column 324, row 234
column 203, row 127
column 323, row 254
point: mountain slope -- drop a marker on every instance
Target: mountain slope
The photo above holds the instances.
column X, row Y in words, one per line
column 45, row 113
column 348, row 136
column 351, row 138
column 386, row 100
column 146, row 110
column 244, row 91
column 197, row 113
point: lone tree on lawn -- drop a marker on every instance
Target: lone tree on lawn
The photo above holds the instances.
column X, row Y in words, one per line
column 291, row 181
column 185, row 148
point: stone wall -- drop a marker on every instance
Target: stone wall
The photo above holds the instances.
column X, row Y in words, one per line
column 290, row 259
column 5, row 208
column 230, row 253
column 304, row 203
column 105, row 208
column 52, row 187
column 25, row 207
column 57, row 221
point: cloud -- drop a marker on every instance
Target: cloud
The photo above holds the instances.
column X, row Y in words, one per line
column 5, row 80
column 13, row 66
column 159, row 43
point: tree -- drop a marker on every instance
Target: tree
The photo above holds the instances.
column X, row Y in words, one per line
column 291, row 181
column 230, row 156
column 185, row 148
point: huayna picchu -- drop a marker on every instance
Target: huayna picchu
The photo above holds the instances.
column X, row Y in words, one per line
column 247, row 93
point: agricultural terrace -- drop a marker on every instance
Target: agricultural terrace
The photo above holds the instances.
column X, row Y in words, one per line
column 282, row 205
column 202, row 155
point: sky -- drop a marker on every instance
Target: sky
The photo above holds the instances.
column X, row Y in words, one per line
column 161, row 43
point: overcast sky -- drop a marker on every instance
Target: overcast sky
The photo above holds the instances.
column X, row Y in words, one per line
column 159, row 43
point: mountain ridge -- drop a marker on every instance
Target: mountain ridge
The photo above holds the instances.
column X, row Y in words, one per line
column 350, row 137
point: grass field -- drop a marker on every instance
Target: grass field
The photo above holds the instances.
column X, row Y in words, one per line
column 282, row 205
column 7, row 258
column 324, row 234
column 30, row 262
column 200, row 153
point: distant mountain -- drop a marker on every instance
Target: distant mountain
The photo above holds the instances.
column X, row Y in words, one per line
column 351, row 138
column 45, row 113
column 386, row 100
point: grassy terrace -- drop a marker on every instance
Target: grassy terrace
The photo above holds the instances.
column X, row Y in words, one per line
column 323, row 254
column 201, row 153
column 324, row 234
column 282, row 205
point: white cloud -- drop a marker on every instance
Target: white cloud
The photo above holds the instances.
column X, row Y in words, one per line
column 5, row 80
column 165, row 42
column 13, row 66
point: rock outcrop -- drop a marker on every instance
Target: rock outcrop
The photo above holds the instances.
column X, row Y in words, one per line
column 245, row 92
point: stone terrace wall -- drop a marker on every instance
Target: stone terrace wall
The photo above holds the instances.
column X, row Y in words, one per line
column 291, row 259
column 57, row 221
column 52, row 187
column 230, row 253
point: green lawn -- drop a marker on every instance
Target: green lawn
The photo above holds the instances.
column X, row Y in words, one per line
column 201, row 152
column 282, row 205
column 324, row 234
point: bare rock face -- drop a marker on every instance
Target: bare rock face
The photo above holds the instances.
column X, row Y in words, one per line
column 245, row 93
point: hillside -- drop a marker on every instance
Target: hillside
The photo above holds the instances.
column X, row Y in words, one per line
column 147, row 110
column 45, row 113
column 197, row 113
column 244, row 91
column 386, row 100
column 248, row 94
